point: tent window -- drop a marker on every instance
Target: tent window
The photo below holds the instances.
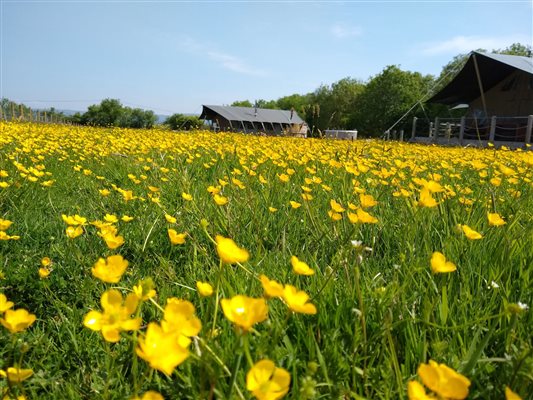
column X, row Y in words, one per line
column 510, row 84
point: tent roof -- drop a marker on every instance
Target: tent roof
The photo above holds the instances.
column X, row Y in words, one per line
column 249, row 114
column 493, row 68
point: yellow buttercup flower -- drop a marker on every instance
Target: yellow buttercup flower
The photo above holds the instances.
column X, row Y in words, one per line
column 111, row 218
column 220, row 200
column 74, row 231
column 180, row 319
column 161, row 350
column 439, row 264
column 426, row 200
column 367, row 200
column 170, row 219
column 415, row 391
column 284, row 178
column 444, row 381
column 295, row 204
column 365, row 218
column 127, row 218
column 116, row 316
column 300, row 267
column 336, row 207
column 113, row 241
column 104, row 192
column 186, row 196
column 229, row 252
column 44, row 272
column 510, row 395
column 271, row 287
column 46, row 262
column 74, row 220
column 245, row 311
column 16, row 375
column 5, row 224
column 150, row 395
column 111, row 269
column 495, row 219
column 145, row 289
column 266, row 381
column 297, row 300
column 204, row 289
column 470, row 233
column 334, row 215
column 17, row 320
column 4, row 303
column 175, row 237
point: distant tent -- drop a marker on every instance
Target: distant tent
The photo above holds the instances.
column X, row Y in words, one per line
column 254, row 120
column 492, row 84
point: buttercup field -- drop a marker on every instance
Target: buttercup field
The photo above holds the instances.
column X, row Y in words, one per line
column 154, row 264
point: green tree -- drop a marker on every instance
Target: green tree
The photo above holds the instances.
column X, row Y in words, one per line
column 386, row 97
column 184, row 122
column 517, row 49
column 107, row 113
column 270, row 104
column 110, row 112
column 242, row 103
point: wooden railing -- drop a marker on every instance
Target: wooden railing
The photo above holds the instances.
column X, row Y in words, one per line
column 461, row 130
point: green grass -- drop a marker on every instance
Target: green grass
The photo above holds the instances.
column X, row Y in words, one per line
column 377, row 320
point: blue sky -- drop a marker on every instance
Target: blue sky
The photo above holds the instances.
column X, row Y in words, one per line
column 174, row 56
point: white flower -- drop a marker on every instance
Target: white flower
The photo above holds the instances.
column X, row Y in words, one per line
column 494, row 285
column 522, row 306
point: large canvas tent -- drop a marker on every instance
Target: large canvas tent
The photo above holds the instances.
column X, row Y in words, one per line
column 498, row 91
column 254, row 120
column 492, row 84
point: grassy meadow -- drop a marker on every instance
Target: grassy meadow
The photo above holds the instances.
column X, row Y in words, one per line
column 191, row 265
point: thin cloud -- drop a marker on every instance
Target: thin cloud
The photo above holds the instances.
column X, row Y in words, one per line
column 225, row 60
column 341, row 31
column 465, row 44
column 234, row 64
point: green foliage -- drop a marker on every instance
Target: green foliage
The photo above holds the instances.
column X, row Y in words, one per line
column 387, row 97
column 242, row 103
column 180, row 122
column 110, row 112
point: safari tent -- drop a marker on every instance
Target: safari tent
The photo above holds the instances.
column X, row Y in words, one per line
column 497, row 92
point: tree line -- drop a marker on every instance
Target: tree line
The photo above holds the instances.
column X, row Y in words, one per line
column 374, row 106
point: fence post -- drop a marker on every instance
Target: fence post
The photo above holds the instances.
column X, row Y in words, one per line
column 492, row 128
column 401, row 135
column 462, row 130
column 413, row 131
column 529, row 128
column 448, row 131
column 436, row 130
column 387, row 134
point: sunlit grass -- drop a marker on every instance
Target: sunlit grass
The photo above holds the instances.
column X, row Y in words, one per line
column 371, row 217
